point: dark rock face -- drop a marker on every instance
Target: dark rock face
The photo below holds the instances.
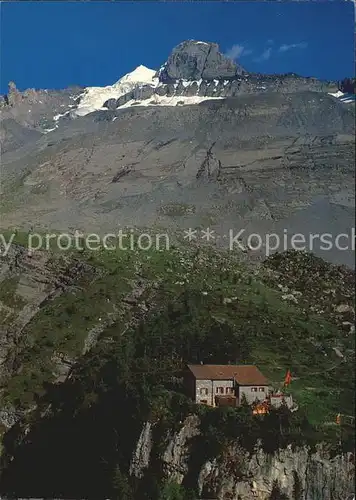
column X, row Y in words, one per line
column 192, row 60
column 143, row 92
column 124, row 99
column 110, row 104
column 348, row 85
column 161, row 90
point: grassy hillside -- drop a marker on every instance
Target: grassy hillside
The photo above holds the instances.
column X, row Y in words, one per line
column 282, row 315
column 125, row 330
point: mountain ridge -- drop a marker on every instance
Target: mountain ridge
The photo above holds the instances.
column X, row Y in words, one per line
column 182, row 74
column 135, row 157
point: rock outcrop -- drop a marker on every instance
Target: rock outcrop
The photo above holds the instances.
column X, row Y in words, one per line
column 141, row 457
column 300, row 473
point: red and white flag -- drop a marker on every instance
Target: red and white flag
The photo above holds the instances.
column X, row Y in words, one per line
column 288, row 378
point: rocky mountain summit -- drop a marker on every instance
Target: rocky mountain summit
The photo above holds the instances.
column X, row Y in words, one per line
column 192, row 60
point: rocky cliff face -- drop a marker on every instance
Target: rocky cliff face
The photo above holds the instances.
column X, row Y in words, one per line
column 299, row 473
column 296, row 473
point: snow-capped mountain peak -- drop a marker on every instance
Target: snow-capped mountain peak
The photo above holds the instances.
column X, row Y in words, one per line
column 141, row 74
column 93, row 98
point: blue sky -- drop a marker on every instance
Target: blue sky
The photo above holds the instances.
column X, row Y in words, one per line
column 56, row 44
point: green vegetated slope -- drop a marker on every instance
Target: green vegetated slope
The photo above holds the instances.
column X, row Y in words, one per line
column 147, row 314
